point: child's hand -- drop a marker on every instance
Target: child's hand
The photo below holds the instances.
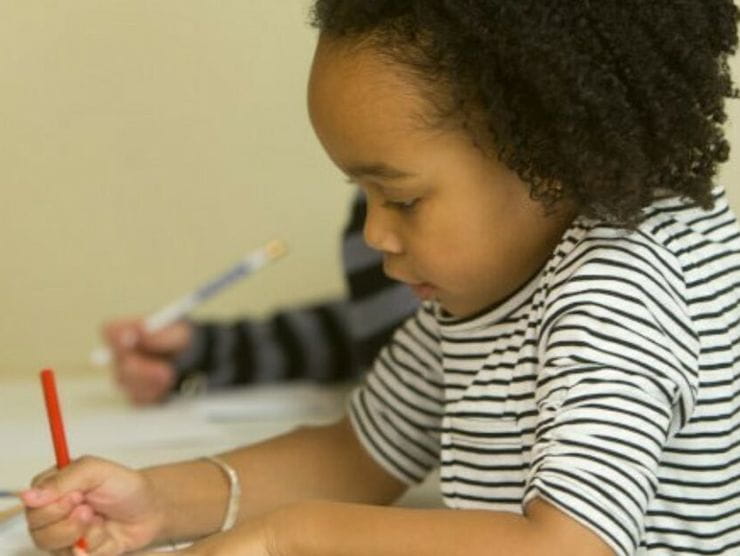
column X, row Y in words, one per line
column 143, row 361
column 114, row 508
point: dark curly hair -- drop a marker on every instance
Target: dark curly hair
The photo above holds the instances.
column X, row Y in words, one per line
column 604, row 102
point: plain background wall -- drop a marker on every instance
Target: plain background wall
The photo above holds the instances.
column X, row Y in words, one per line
column 145, row 145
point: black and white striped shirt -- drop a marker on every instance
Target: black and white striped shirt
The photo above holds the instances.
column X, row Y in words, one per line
column 608, row 385
column 328, row 341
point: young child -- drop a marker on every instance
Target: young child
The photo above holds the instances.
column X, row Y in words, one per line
column 541, row 174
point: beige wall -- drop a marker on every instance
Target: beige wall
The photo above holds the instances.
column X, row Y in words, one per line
column 145, row 145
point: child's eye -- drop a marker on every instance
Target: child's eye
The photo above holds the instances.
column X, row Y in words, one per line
column 405, row 206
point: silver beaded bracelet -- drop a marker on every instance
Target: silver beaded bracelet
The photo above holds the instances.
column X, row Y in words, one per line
column 235, row 492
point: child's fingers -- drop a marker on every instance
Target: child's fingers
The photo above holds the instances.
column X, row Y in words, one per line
column 62, row 534
column 82, row 475
column 99, row 540
column 43, row 475
column 108, row 548
column 52, row 512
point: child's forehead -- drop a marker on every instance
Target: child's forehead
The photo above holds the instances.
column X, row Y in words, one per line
column 364, row 82
column 346, row 60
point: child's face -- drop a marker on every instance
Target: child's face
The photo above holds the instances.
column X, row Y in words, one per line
column 451, row 221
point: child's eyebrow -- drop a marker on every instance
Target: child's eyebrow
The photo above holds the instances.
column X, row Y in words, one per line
column 376, row 170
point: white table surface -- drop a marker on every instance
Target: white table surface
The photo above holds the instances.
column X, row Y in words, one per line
column 98, row 421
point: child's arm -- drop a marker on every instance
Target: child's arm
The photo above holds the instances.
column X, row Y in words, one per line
column 334, row 529
column 325, row 462
column 124, row 510
column 338, row 529
column 288, row 480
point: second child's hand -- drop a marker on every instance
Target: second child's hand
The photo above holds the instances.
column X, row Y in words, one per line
column 143, row 361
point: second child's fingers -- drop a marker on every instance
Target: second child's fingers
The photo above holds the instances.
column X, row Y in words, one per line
column 122, row 335
column 145, row 379
column 127, row 335
column 168, row 341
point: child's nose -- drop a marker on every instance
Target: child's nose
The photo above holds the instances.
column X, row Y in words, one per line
column 379, row 230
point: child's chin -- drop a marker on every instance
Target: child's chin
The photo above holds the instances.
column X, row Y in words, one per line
column 452, row 310
column 458, row 310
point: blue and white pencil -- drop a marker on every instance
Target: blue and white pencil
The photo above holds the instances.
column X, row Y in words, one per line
column 181, row 307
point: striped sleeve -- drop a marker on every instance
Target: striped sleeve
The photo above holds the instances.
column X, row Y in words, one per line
column 397, row 412
column 311, row 342
column 617, row 379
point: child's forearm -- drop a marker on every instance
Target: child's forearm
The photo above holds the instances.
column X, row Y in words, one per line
column 333, row 529
column 192, row 495
column 330, row 529
column 324, row 462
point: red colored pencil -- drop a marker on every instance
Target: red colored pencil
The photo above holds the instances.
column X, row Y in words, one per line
column 58, row 438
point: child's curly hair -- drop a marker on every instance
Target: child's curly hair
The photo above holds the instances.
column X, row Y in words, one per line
column 605, row 102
